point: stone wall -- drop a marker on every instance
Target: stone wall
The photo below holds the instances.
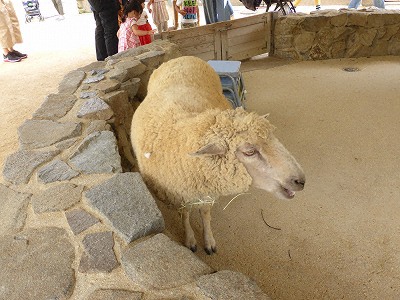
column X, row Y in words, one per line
column 76, row 220
column 337, row 34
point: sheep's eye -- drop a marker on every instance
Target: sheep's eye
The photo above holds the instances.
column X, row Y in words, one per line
column 250, row 152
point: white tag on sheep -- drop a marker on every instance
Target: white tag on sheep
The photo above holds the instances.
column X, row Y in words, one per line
column 147, row 154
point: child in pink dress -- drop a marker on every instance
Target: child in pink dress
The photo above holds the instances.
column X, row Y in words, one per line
column 129, row 33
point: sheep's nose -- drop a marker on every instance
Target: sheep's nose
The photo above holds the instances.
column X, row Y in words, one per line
column 299, row 182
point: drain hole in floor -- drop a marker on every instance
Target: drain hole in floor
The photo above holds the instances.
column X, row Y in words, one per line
column 349, row 69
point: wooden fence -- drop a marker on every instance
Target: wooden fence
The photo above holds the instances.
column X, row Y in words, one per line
column 231, row 40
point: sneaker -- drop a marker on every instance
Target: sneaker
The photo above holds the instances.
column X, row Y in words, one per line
column 11, row 57
column 19, row 54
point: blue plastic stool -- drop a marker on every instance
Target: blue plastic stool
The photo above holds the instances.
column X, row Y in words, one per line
column 231, row 80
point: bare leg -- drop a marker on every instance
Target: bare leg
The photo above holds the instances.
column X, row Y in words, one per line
column 165, row 26
column 190, row 240
column 209, row 241
column 7, row 50
column 159, row 27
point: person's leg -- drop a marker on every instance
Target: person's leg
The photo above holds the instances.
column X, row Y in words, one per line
column 165, row 26
column 109, row 20
column 159, row 27
column 317, row 4
column 379, row 3
column 60, row 7
column 6, row 39
column 229, row 10
column 9, row 56
column 101, row 49
column 9, row 32
column 354, row 4
column 222, row 10
column 13, row 21
column 55, row 5
column 210, row 12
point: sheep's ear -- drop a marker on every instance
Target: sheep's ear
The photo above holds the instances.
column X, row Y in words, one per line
column 210, row 149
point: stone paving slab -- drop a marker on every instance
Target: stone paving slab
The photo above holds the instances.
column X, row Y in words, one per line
column 131, row 87
column 55, row 106
column 56, row 170
column 79, row 220
column 144, row 77
column 57, row 198
column 20, row 165
column 160, row 263
column 93, row 79
column 36, row 264
column 66, row 143
column 97, row 125
column 98, row 153
column 171, row 50
column 88, row 94
column 92, row 66
column 12, row 211
column 130, row 53
column 127, row 205
column 95, row 108
column 122, row 108
column 107, row 85
column 99, row 254
column 151, row 59
column 120, row 75
column 133, row 66
column 71, row 82
column 229, row 285
column 34, row 134
column 98, row 71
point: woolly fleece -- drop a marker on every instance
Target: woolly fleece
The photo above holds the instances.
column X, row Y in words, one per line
column 183, row 111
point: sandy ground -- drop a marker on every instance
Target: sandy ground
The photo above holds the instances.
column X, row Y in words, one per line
column 339, row 238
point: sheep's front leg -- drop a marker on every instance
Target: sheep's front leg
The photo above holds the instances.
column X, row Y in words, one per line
column 190, row 240
column 209, row 241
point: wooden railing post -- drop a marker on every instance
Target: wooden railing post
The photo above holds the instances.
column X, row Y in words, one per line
column 272, row 16
column 176, row 24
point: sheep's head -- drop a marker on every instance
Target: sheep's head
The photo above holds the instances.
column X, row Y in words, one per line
column 249, row 138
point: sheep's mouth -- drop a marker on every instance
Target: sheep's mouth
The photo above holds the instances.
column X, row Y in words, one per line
column 287, row 193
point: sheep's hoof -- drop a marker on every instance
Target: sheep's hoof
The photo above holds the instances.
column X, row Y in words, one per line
column 211, row 250
column 193, row 248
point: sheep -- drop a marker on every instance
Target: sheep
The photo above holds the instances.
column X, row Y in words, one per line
column 192, row 147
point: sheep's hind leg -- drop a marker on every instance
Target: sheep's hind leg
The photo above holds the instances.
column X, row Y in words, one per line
column 190, row 240
column 209, row 241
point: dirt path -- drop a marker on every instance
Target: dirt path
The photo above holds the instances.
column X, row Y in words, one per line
column 340, row 237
